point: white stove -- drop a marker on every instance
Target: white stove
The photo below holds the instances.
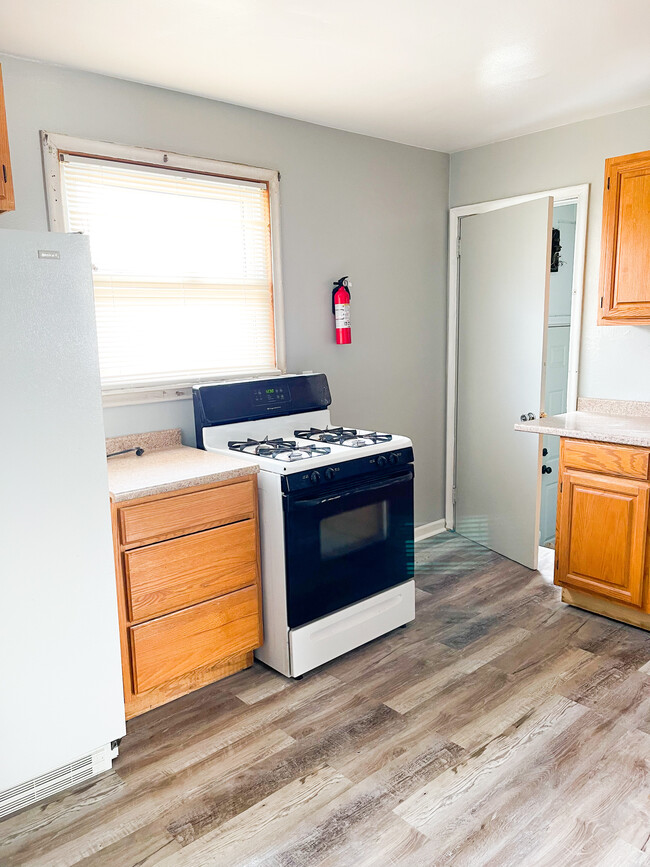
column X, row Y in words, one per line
column 336, row 516
column 273, row 443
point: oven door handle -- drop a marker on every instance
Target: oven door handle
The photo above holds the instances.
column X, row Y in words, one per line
column 360, row 489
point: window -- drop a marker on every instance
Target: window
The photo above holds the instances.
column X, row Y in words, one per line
column 185, row 276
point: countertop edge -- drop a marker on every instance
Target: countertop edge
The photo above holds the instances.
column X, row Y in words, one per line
column 184, row 484
column 624, row 440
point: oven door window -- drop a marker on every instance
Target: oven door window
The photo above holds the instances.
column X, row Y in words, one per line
column 347, row 544
column 343, row 533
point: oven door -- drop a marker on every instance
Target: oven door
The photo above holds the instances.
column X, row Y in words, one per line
column 347, row 544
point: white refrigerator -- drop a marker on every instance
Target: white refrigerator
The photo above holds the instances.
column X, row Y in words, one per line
column 61, row 700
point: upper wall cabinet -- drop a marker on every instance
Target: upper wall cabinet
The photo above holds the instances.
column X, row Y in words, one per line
column 6, row 182
column 625, row 253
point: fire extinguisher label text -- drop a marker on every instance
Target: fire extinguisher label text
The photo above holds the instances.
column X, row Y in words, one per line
column 342, row 315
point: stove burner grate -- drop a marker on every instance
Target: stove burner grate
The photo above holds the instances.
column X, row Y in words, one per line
column 343, row 436
column 279, row 449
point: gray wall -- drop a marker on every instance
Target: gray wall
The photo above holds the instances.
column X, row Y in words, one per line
column 350, row 205
column 615, row 360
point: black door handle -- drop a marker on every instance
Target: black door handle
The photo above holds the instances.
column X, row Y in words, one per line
column 546, row 469
column 544, row 452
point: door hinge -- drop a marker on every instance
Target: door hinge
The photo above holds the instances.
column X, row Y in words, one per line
column 453, row 495
column 4, row 173
column 557, row 563
column 561, row 485
column 458, row 247
column 607, row 183
column 601, row 301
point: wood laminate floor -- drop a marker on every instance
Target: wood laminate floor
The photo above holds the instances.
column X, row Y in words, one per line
column 500, row 728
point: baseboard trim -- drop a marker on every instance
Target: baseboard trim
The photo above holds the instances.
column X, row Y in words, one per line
column 606, row 608
column 423, row 531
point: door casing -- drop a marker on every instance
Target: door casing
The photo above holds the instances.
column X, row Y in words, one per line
column 563, row 195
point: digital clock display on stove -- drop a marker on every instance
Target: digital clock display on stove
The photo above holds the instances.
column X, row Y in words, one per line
column 276, row 394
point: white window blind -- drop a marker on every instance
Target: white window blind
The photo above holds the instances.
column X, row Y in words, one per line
column 181, row 269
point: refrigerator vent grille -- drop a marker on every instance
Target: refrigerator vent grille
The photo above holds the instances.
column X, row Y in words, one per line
column 54, row 781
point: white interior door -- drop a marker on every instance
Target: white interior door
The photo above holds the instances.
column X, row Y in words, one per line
column 503, row 297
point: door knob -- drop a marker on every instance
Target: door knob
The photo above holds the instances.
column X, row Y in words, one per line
column 546, row 469
column 531, row 416
column 527, row 417
column 544, row 452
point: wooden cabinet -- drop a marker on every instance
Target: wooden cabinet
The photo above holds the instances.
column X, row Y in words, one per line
column 170, row 575
column 625, row 245
column 6, row 182
column 603, row 527
column 187, row 640
column 603, row 522
column 188, row 582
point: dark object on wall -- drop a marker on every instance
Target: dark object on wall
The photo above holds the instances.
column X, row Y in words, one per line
column 555, row 250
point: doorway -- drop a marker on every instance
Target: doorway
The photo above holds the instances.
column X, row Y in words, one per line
column 508, row 323
column 558, row 338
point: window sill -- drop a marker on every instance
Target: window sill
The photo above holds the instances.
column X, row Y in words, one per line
column 132, row 395
column 126, row 397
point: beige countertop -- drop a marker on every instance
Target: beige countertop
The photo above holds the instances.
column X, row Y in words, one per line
column 632, row 430
column 166, row 465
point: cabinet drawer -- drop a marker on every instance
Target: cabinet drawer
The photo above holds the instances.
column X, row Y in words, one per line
column 626, row 461
column 186, row 513
column 170, row 575
column 179, row 643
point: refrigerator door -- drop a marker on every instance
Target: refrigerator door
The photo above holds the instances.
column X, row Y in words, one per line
column 60, row 671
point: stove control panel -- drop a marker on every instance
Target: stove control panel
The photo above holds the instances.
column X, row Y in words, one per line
column 271, row 394
column 230, row 402
column 334, row 474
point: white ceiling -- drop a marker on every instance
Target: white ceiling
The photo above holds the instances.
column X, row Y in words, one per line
column 444, row 75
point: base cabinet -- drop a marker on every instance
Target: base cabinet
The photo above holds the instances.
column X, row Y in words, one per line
column 603, row 535
column 188, row 585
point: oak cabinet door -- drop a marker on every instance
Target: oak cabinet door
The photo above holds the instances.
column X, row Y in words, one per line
column 603, row 525
column 625, row 253
column 6, row 183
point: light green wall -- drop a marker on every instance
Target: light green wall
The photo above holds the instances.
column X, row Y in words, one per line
column 350, row 205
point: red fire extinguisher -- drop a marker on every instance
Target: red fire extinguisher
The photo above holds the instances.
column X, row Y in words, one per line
column 341, row 310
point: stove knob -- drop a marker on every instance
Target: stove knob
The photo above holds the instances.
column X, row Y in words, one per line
column 393, row 458
column 382, row 460
column 329, row 474
column 314, row 478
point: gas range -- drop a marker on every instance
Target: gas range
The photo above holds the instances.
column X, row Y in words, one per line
column 289, row 450
column 287, row 445
column 336, row 516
